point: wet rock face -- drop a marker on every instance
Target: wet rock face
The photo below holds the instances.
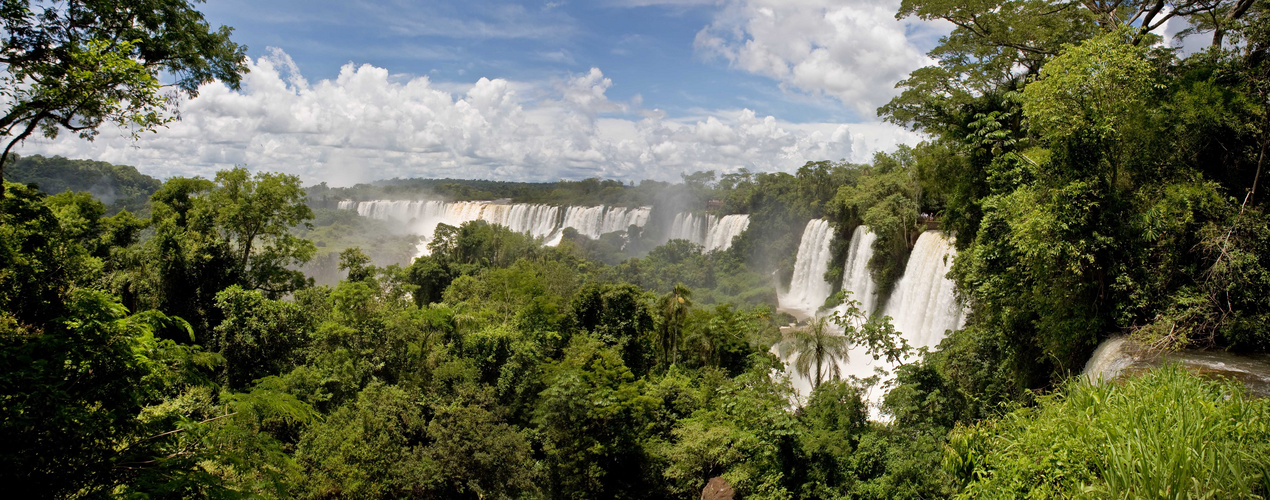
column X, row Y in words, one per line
column 718, row 489
column 1118, row 357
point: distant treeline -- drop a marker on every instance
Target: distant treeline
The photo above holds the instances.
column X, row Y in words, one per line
column 592, row 191
column 119, row 187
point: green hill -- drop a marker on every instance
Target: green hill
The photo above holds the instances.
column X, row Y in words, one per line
column 118, row 186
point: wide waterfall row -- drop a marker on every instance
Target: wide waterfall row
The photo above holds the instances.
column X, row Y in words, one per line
column 541, row 221
column 808, row 289
column 711, row 232
column 924, row 304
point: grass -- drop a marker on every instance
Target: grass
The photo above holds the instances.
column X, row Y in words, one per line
column 1167, row 434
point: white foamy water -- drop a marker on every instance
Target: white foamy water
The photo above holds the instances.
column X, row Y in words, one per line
column 541, row 221
column 691, row 227
column 924, row 303
column 1118, row 357
column 1110, row 359
column 595, row 221
column 711, row 232
column 922, row 306
column 720, row 235
column 808, row 288
column 856, row 277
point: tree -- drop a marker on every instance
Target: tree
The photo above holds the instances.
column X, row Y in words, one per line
column 73, row 389
column 357, row 263
column 209, row 235
column 39, row 259
column 592, row 420
column 673, row 308
column 78, row 64
column 617, row 315
column 254, row 216
column 258, row 337
column 816, row 345
column 431, row 275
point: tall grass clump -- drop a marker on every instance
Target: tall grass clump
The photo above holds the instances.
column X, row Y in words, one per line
column 1167, row 434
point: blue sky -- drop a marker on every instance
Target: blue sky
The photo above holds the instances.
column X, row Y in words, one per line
column 358, row 90
column 648, row 50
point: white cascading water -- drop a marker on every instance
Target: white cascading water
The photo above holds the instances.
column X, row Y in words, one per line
column 692, row 227
column 1119, row 357
column 922, row 306
column 808, row 288
column 721, row 232
column 595, row 221
column 924, row 303
column 1111, row 358
column 711, row 232
column 541, row 221
column 856, row 277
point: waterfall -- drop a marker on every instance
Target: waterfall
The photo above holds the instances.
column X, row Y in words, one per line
column 540, row 221
column 924, row 303
column 1110, row 359
column 692, row 227
column 808, row 289
column 922, row 306
column 720, row 235
column 856, row 277
column 595, row 221
column 711, row 232
column 533, row 219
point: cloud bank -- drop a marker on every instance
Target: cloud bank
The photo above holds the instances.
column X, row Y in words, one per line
column 852, row 50
column 368, row 124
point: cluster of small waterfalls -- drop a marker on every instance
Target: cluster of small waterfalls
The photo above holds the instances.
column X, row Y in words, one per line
column 548, row 221
column 922, row 306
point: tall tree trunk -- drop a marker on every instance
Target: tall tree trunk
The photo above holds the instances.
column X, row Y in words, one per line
column 819, row 370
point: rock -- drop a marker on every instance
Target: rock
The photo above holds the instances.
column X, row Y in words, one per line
column 718, row 489
column 1119, row 357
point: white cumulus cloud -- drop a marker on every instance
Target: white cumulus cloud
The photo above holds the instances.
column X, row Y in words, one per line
column 368, row 124
column 852, row 50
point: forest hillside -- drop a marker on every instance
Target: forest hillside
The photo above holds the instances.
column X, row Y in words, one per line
column 916, row 326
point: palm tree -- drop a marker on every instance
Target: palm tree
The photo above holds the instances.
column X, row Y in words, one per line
column 674, row 313
column 817, row 345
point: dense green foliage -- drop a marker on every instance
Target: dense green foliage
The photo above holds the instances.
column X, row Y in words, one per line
column 1112, row 187
column 1095, row 183
column 526, row 371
